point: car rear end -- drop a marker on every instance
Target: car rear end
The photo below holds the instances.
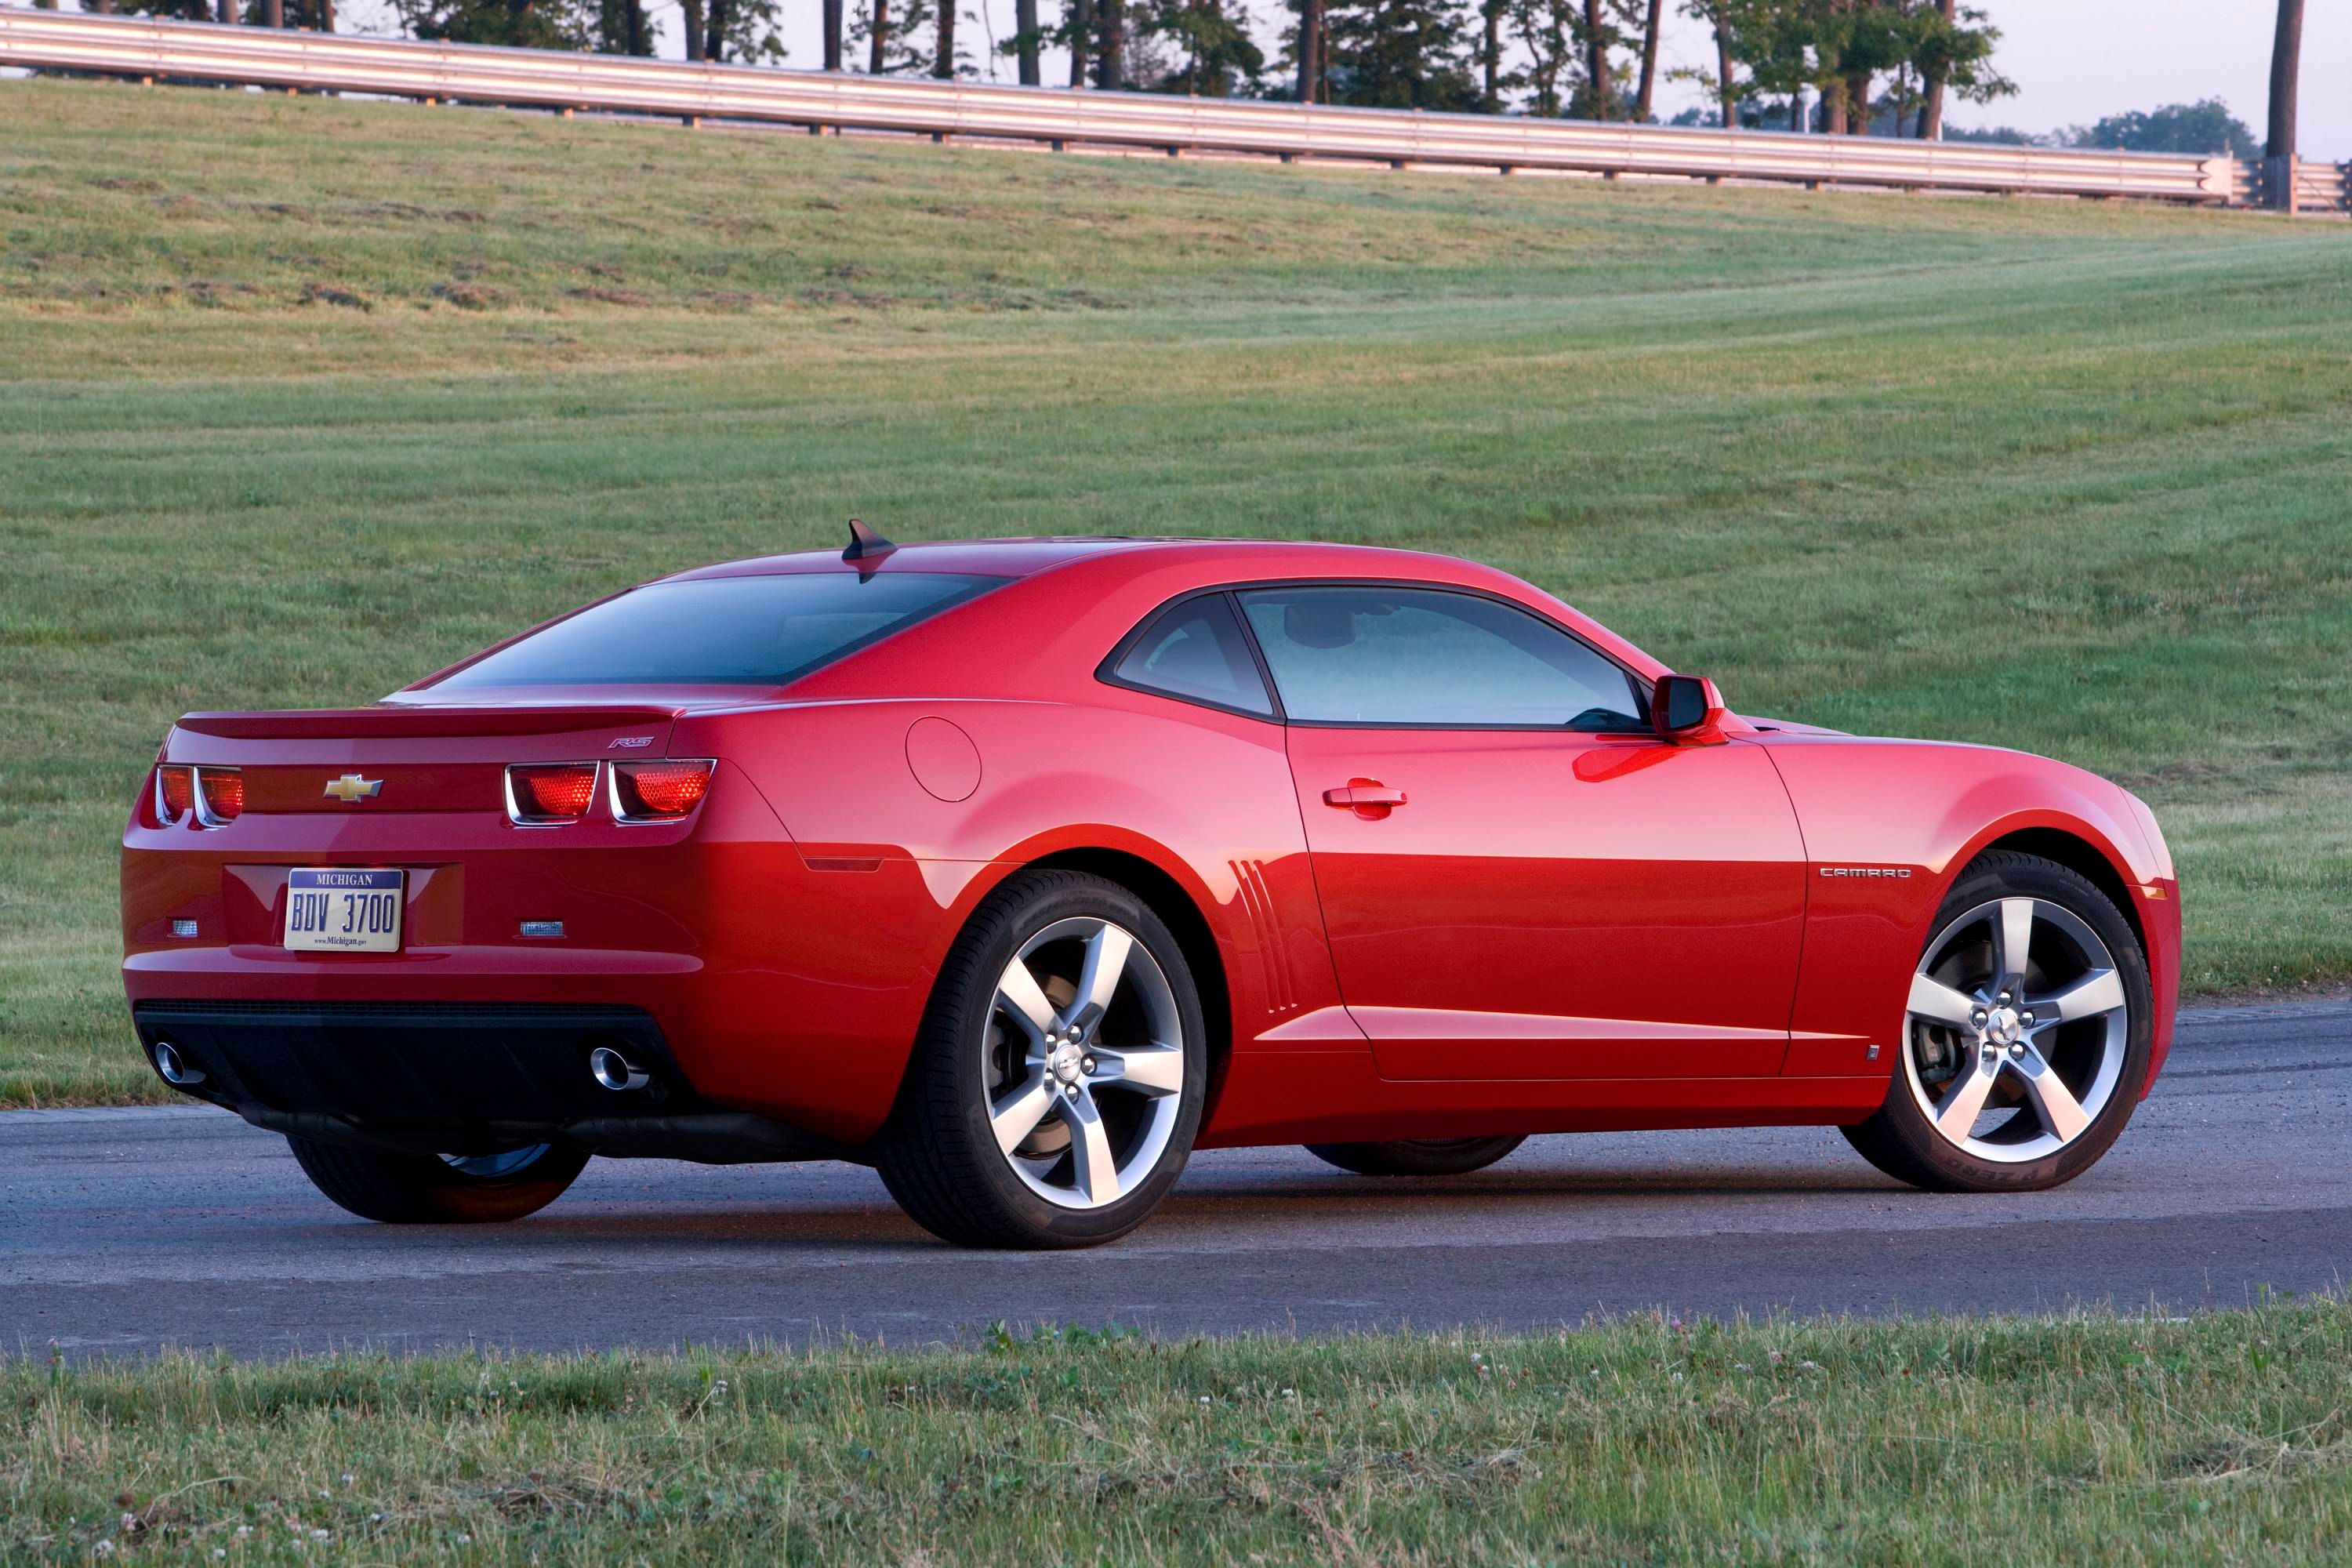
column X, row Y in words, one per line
column 438, row 922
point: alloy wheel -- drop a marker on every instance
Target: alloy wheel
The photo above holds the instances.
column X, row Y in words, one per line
column 2018, row 1025
column 1085, row 1063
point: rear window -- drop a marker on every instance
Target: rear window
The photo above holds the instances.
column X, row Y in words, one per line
column 762, row 631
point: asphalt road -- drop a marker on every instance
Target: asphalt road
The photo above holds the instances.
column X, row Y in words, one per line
column 122, row 1231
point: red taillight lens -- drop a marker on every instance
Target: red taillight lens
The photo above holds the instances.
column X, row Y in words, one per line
column 175, row 791
column 659, row 791
column 224, row 792
column 551, row 792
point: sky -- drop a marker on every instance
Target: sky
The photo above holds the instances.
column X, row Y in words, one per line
column 2074, row 61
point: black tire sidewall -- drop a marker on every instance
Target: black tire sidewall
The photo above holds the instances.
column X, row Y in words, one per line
column 420, row 1189
column 1904, row 1124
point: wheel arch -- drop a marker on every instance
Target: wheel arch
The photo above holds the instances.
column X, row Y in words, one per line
column 2079, row 854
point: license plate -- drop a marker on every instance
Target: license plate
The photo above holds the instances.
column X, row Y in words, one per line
column 334, row 910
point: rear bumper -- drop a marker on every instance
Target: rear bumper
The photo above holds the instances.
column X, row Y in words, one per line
column 452, row 1077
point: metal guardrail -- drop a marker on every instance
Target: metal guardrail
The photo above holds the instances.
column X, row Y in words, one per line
column 138, row 47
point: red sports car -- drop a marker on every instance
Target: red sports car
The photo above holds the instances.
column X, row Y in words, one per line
column 1021, row 869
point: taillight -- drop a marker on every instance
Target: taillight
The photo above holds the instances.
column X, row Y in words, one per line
column 539, row 793
column 659, row 791
column 175, row 791
column 222, row 793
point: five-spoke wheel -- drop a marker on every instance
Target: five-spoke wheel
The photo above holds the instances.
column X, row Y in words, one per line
column 1056, row 1086
column 2025, row 1037
column 1085, row 1062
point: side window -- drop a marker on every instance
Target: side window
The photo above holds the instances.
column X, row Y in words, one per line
column 1196, row 650
column 1374, row 655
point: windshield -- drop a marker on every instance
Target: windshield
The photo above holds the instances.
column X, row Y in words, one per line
column 762, row 631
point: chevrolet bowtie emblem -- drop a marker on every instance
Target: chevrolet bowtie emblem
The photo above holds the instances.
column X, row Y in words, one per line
column 351, row 789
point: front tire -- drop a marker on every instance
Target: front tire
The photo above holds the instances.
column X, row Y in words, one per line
column 432, row 1189
column 1416, row 1156
column 2029, row 1025
column 1056, row 1087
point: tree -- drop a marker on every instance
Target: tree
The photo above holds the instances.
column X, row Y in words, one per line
column 1596, row 37
column 1311, row 39
column 831, row 24
column 1953, row 54
column 2286, row 60
column 943, row 61
column 893, row 35
column 1078, row 34
column 1491, row 14
column 1399, row 53
column 1110, row 44
column 1215, row 54
column 1649, row 79
column 2203, row 127
column 1023, row 42
column 1546, row 31
column 518, row 24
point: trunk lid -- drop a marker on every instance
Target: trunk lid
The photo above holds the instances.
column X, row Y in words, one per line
column 418, row 758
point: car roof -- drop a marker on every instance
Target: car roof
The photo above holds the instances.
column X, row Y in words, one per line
column 1028, row 556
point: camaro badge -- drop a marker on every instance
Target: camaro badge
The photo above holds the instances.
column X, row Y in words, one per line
column 351, row 789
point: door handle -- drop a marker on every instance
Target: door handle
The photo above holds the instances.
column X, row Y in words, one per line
column 1361, row 792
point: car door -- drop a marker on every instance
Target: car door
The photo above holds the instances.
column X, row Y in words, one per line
column 1518, row 878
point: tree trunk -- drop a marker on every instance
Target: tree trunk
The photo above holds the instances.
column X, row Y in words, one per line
column 692, row 12
column 1110, row 66
column 1490, row 55
column 2286, row 59
column 1025, row 27
column 326, row 15
column 943, row 63
column 636, row 36
column 714, row 31
column 1931, row 107
column 1080, row 15
column 273, row 13
column 1649, row 63
column 1723, row 68
column 1596, row 58
column 1857, row 104
column 227, row 12
column 832, row 35
column 1310, row 49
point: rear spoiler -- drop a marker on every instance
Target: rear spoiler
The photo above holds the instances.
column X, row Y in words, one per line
column 393, row 722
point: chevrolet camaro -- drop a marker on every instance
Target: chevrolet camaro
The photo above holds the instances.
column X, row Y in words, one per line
column 1021, row 869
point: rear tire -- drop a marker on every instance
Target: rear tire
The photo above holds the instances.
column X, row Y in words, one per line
column 1416, row 1156
column 2065, row 1052
column 425, row 1189
column 1029, row 1116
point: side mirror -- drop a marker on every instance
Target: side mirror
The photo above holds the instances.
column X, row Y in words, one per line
column 1686, row 709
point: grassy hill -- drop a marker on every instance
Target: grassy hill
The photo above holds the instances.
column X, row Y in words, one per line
column 299, row 398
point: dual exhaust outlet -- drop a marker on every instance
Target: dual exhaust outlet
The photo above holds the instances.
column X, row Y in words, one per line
column 607, row 1066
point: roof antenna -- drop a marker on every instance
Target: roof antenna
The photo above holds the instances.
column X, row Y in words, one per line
column 867, row 548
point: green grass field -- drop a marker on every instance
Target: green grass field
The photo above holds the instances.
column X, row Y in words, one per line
column 2221, row 1439
column 304, row 397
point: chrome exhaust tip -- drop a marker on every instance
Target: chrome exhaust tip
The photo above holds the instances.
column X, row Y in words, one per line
column 615, row 1071
column 174, row 1066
